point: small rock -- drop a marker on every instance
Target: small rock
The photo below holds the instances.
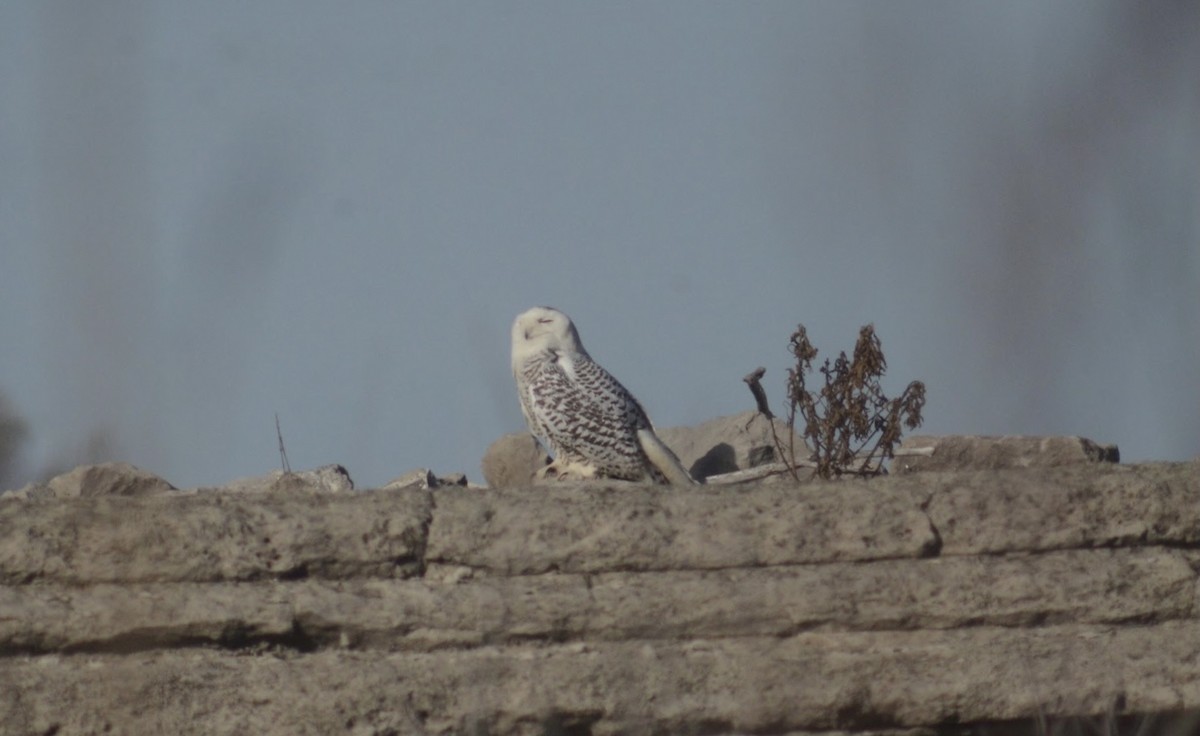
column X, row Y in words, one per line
column 420, row 479
column 424, row 479
column 29, row 492
column 451, row 574
column 331, row 478
column 971, row 452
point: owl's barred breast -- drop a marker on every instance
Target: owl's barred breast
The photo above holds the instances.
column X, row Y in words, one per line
column 592, row 420
column 585, row 417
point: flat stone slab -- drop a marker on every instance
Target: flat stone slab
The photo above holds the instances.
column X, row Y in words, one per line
column 596, row 528
column 1069, row 507
column 1084, row 586
column 972, row 452
column 213, row 536
column 811, row 681
column 592, row 528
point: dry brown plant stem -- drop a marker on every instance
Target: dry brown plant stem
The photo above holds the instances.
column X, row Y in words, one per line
column 852, row 426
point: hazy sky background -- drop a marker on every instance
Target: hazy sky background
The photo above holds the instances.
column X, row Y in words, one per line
column 212, row 212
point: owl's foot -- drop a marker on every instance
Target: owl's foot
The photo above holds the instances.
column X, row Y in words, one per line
column 562, row 471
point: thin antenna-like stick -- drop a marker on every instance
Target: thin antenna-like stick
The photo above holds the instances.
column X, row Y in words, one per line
column 287, row 468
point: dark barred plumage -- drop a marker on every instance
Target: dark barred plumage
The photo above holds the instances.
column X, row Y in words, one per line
column 592, row 419
column 582, row 414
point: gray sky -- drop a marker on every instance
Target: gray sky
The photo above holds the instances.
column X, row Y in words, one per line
column 212, row 212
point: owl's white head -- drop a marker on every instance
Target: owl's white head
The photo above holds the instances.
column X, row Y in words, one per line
column 543, row 329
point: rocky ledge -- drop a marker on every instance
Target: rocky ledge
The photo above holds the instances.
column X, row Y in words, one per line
column 943, row 599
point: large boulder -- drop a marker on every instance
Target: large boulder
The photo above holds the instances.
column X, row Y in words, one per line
column 512, row 460
column 729, row 444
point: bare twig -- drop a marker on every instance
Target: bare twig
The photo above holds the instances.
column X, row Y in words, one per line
column 760, row 396
column 753, row 380
column 786, row 454
column 758, row 472
column 287, row 468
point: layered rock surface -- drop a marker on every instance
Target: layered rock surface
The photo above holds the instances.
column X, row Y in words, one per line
column 931, row 602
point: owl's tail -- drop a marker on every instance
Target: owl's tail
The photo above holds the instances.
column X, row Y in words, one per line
column 661, row 457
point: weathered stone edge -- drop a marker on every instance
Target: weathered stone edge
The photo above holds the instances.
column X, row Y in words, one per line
column 814, row 680
column 213, row 537
column 593, row 528
column 1081, row 586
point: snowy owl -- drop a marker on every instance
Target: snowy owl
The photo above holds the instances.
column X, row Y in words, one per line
column 590, row 423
